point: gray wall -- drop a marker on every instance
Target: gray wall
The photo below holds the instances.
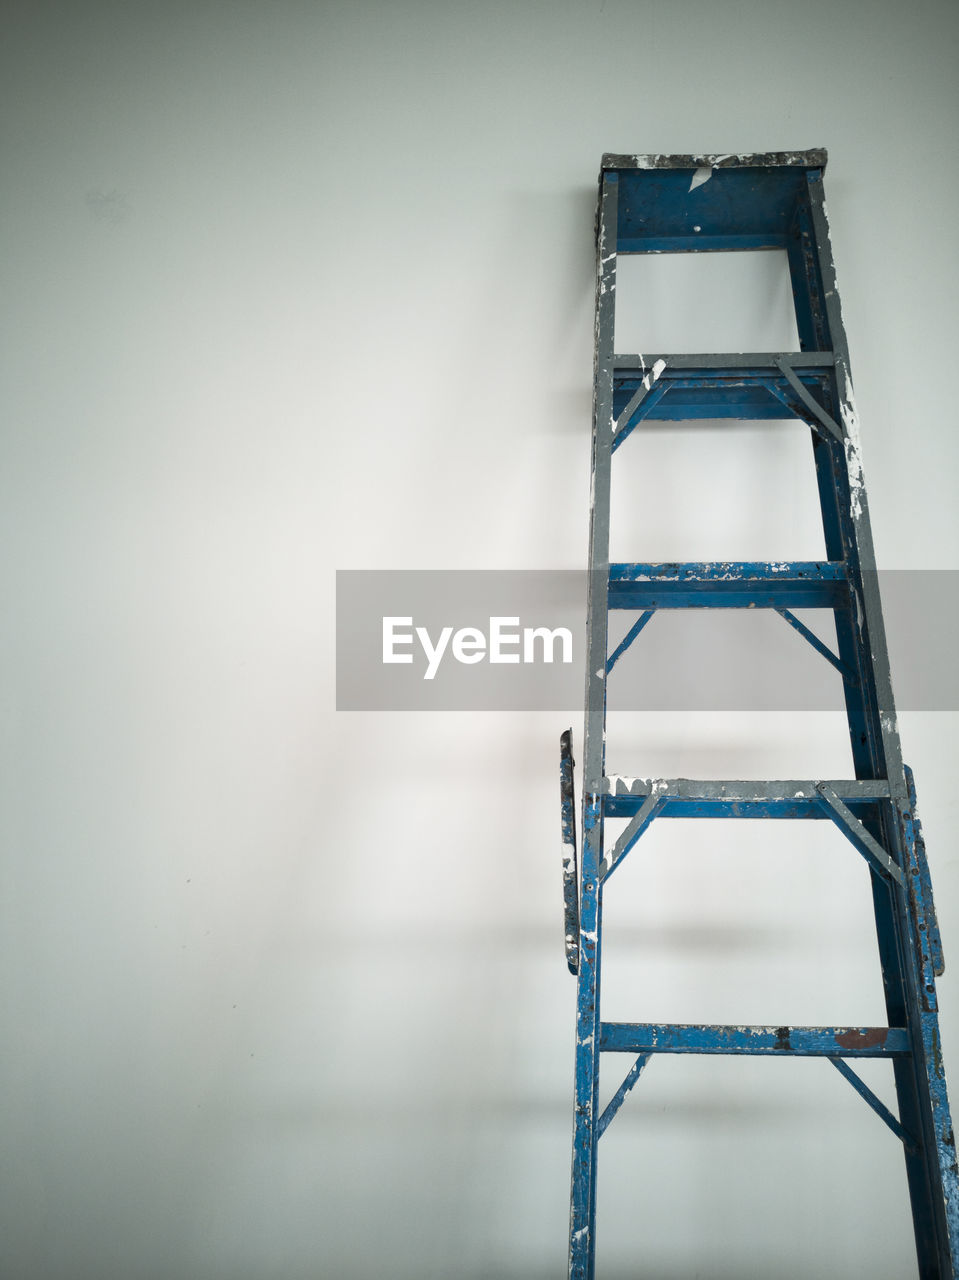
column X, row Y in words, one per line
column 295, row 287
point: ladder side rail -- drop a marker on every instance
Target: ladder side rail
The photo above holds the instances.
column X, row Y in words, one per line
column 869, row 742
column 921, row 1090
column 819, row 321
column 585, row 1139
column 876, row 748
column 811, row 322
column 928, row 955
column 896, row 951
column 857, row 535
column 855, row 687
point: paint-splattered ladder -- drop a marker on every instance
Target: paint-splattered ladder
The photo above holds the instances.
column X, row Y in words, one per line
column 655, row 204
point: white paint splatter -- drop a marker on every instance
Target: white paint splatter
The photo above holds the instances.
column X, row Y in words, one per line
column 654, row 373
column 850, row 420
column 702, row 174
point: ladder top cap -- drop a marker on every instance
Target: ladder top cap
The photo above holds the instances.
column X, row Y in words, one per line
column 815, row 159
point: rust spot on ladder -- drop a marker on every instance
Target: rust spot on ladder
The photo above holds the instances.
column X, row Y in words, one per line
column 863, row 1038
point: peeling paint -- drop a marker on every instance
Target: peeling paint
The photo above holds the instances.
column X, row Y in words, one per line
column 654, row 373
column 702, row 174
column 815, row 158
column 862, row 1037
column 850, row 421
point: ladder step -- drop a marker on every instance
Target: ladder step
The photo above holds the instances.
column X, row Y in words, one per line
column 687, row 798
column 767, row 361
column 798, row 584
column 617, row 161
column 807, row 1042
column 662, row 208
column 753, row 386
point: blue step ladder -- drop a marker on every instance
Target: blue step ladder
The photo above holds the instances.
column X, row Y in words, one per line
column 682, row 204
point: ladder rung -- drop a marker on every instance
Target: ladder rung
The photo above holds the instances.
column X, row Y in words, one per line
column 688, row 798
column 813, row 158
column 809, row 1042
column 733, row 360
column 756, row 386
column 800, row 584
